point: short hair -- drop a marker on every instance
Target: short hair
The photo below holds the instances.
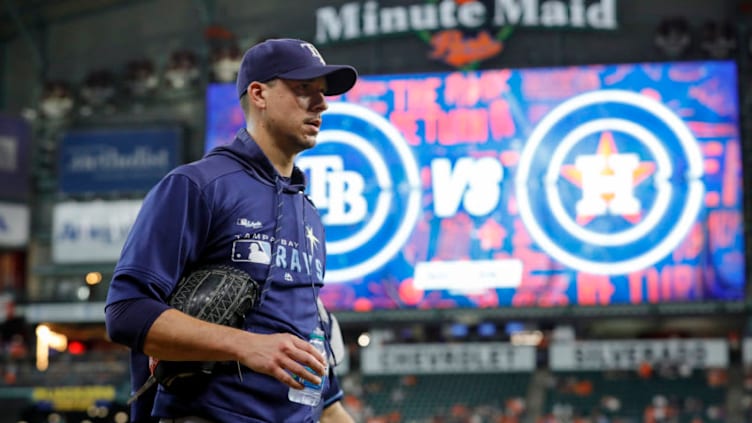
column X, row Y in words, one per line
column 245, row 104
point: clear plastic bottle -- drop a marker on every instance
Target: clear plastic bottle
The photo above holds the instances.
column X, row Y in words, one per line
column 311, row 394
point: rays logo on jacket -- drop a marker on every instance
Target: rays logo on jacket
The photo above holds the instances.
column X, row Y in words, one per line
column 610, row 182
column 366, row 223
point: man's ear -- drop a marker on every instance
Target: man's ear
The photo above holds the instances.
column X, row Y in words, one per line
column 256, row 93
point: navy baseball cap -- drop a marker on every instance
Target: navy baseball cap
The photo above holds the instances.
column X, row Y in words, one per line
column 292, row 59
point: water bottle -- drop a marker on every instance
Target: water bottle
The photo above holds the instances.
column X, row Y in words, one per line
column 311, row 394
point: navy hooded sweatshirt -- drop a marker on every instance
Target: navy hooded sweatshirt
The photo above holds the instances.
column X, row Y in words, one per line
column 229, row 208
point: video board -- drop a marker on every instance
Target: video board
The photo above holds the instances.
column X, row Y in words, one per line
column 608, row 184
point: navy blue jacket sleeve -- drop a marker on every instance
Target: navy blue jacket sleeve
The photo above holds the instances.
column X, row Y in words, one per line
column 168, row 235
column 129, row 321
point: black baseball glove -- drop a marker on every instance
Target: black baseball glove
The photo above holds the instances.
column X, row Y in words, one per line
column 216, row 294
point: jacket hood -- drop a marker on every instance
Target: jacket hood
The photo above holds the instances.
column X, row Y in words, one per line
column 247, row 152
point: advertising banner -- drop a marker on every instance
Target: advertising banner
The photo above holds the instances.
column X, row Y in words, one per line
column 15, row 161
column 466, row 357
column 629, row 354
column 117, row 160
column 14, row 225
column 589, row 185
column 91, row 232
column 459, row 33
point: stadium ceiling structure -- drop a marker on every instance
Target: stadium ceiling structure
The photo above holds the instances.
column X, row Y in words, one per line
column 27, row 17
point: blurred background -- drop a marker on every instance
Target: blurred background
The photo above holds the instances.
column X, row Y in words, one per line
column 535, row 209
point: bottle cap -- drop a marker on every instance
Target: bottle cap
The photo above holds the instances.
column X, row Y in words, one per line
column 317, row 333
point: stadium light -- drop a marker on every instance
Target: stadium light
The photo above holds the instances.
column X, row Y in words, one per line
column 47, row 339
column 527, row 337
column 364, row 339
column 83, row 293
column 76, row 347
column 93, row 278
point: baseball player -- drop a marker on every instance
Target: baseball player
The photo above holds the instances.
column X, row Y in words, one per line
column 210, row 212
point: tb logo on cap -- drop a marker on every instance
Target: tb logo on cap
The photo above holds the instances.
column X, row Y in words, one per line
column 315, row 53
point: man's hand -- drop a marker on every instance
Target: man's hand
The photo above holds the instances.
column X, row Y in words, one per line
column 279, row 355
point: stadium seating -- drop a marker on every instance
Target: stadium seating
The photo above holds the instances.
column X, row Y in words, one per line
column 420, row 397
column 678, row 396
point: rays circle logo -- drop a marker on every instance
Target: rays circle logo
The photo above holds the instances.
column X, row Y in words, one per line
column 365, row 182
column 610, row 182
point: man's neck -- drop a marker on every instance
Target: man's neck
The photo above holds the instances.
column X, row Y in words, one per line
column 281, row 160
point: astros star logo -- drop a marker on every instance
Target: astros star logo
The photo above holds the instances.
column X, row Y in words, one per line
column 610, row 182
column 607, row 180
column 312, row 240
